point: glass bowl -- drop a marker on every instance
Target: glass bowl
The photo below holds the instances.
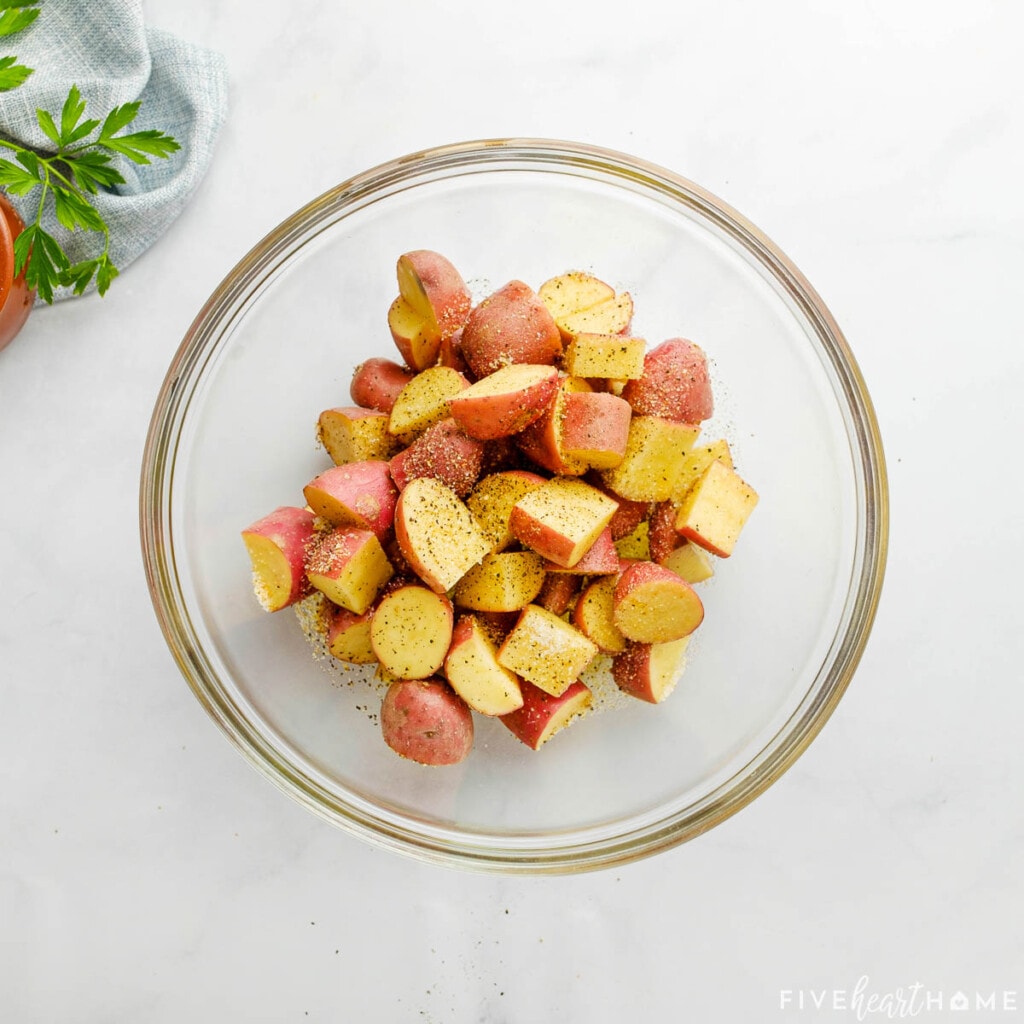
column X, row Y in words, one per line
column 787, row 617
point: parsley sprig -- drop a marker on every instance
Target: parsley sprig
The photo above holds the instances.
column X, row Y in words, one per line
column 79, row 165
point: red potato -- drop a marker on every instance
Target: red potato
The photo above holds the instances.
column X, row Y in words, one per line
column 277, row 545
column 636, row 545
column 662, row 536
column 472, row 670
column 674, row 385
column 348, row 566
column 511, row 325
column 355, row 494
column 716, row 508
column 426, row 721
column 690, row 562
column 416, row 340
column 561, row 519
column 649, row 671
column 424, row 401
column 350, row 433
column 600, row 559
column 438, row 536
column 653, row 605
column 541, row 441
column 450, row 353
column 542, row 715
column 655, row 452
column 559, row 592
column 505, row 581
column 348, row 636
column 434, row 289
column 506, row 401
column 572, row 292
column 377, row 382
column 697, row 460
column 628, row 515
column 443, row 452
column 546, row 650
column 612, row 316
column 492, row 499
column 595, row 428
column 605, row 357
column 410, row 631
column 592, row 615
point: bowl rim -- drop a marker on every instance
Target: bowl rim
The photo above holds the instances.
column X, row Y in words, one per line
column 535, row 854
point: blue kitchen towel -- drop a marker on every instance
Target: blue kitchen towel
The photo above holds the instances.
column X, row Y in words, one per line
column 104, row 47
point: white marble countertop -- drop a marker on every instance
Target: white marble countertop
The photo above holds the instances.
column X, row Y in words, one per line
column 149, row 875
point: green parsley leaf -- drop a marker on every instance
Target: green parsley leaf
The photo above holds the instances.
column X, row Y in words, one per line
column 12, row 74
column 14, row 19
column 16, row 179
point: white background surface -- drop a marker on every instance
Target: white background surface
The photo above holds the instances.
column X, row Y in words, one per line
column 148, row 874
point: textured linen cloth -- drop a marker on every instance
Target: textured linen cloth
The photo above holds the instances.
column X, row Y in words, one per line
column 104, row 47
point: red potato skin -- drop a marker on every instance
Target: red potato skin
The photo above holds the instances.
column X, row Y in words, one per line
column 444, row 287
column 674, row 385
column 450, row 354
column 503, row 415
column 291, row 530
column 600, row 559
column 558, row 593
column 662, row 536
column 444, row 452
column 631, row 671
column 595, row 421
column 377, row 382
column 529, row 722
column 365, row 488
column 512, row 325
column 426, row 721
column 628, row 516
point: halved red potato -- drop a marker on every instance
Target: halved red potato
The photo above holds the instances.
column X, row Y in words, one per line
column 377, row 382
column 355, row 494
column 277, row 545
column 505, row 581
column 435, row 290
column 592, row 615
column 674, row 385
column 348, row 636
column 348, row 566
column 410, row 631
column 595, row 428
column 653, row 605
column 716, row 508
column 505, row 401
column 437, row 534
column 511, row 325
column 572, row 292
column 472, row 670
column 650, row 671
column 426, row 721
column 561, row 519
column 424, row 401
column 414, row 336
column 444, row 452
column 542, row 715
column 546, row 650
column 350, row 433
